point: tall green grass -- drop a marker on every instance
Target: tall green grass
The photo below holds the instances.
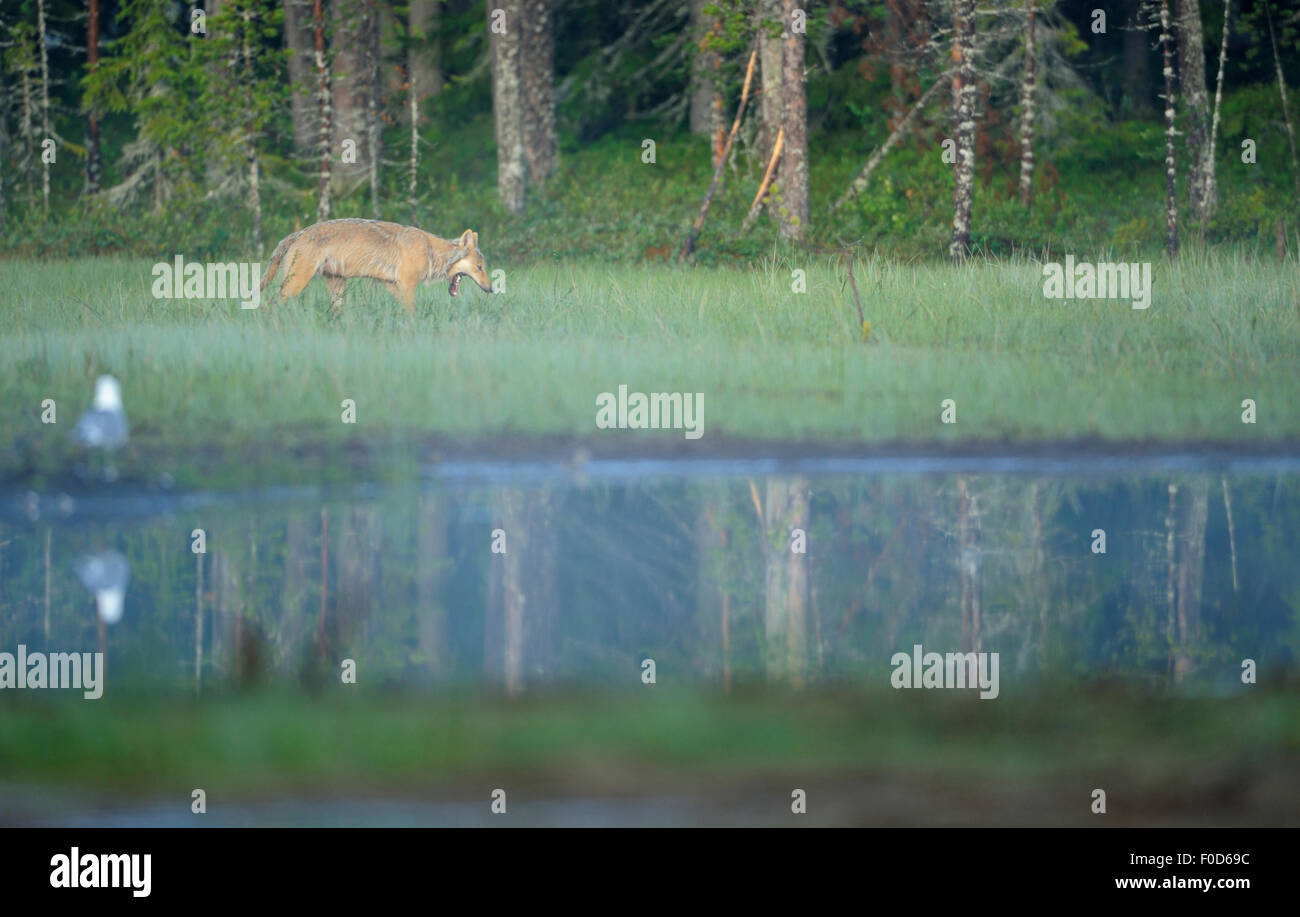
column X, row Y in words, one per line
column 205, row 377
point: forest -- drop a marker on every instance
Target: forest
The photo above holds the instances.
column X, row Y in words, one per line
column 912, row 126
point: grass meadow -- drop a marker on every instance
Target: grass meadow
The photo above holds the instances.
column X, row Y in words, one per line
column 211, row 385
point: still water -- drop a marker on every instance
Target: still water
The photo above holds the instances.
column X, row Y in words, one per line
column 520, row 578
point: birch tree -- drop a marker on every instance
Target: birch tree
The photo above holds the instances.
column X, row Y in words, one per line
column 537, row 74
column 507, row 101
column 793, row 210
column 963, row 53
column 1171, row 167
column 324, row 103
column 1210, row 194
column 1195, row 101
column 1027, row 107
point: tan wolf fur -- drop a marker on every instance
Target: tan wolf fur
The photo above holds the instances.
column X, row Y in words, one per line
column 399, row 257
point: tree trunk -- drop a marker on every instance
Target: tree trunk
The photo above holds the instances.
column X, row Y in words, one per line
column 537, row 71
column 963, row 52
column 373, row 90
column 42, row 44
column 970, row 564
column 507, row 104
column 92, row 120
column 1027, row 109
column 1286, row 113
column 1211, row 192
column 424, row 60
column 1040, row 575
column 431, row 562
column 250, row 137
column 1171, row 168
column 27, row 130
column 298, row 39
column 4, row 158
column 356, row 53
column 701, row 89
column 415, row 149
column 1191, row 572
column 1171, row 578
column 770, row 52
column 1191, row 76
column 1135, row 62
column 785, row 616
column 793, row 212
column 519, row 636
column 324, row 97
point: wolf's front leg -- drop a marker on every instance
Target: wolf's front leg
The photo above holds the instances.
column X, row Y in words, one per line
column 403, row 293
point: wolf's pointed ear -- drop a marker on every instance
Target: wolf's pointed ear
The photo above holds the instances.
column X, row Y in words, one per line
column 467, row 239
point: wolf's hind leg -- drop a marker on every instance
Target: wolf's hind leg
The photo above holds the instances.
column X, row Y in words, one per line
column 296, row 277
column 336, row 285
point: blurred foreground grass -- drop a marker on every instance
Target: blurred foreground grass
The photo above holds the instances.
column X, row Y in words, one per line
column 281, row 741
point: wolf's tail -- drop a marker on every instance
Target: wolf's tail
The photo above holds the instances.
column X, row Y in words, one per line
column 276, row 257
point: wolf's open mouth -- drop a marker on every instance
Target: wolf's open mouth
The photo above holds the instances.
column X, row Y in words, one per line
column 454, row 287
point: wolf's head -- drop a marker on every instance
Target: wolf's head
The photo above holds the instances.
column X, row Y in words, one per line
column 468, row 262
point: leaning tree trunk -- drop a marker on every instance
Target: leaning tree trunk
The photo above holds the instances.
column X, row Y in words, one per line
column 1191, row 77
column 92, row 120
column 507, row 103
column 298, row 39
column 537, row 71
column 1027, row 109
column 1211, row 192
column 1171, row 169
column 793, row 211
column 324, row 97
column 859, row 183
column 963, row 52
column 27, row 129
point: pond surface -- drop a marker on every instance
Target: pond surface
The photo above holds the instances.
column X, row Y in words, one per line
column 517, row 577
